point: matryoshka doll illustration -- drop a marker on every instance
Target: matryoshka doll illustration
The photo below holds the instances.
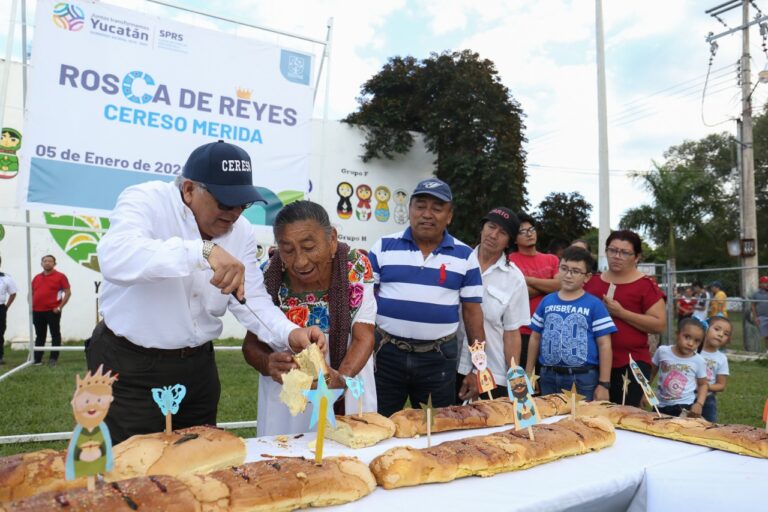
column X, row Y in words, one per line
column 401, row 212
column 344, row 206
column 363, row 211
column 382, row 196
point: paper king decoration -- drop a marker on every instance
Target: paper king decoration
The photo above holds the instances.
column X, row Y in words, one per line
column 168, row 399
column 90, row 449
column 643, row 382
column 485, row 380
column 322, row 400
column 356, row 388
column 520, row 391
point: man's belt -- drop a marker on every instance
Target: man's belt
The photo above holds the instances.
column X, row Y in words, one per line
column 411, row 345
column 179, row 353
column 570, row 370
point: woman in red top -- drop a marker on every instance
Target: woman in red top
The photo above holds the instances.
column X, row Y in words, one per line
column 636, row 306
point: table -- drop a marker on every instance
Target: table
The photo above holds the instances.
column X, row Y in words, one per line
column 606, row 480
column 709, row 481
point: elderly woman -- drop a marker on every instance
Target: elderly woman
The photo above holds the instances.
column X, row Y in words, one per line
column 636, row 305
column 505, row 301
column 318, row 281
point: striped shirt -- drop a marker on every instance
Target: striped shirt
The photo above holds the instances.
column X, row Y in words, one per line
column 418, row 298
column 569, row 329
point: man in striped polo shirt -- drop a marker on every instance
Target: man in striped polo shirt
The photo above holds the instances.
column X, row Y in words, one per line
column 422, row 275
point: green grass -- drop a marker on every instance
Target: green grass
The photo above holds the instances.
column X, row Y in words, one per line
column 36, row 399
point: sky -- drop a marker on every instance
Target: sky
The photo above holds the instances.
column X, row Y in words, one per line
column 657, row 63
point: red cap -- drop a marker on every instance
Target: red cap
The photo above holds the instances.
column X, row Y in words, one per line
column 764, row 279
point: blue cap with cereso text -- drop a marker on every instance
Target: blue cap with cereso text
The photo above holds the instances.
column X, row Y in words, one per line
column 225, row 170
column 434, row 187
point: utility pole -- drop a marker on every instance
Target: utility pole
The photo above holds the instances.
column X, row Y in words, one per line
column 604, row 206
column 748, row 158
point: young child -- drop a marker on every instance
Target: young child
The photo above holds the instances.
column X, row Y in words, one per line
column 682, row 372
column 574, row 331
column 718, row 335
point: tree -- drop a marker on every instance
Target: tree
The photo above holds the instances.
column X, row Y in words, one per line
column 562, row 216
column 469, row 120
column 679, row 208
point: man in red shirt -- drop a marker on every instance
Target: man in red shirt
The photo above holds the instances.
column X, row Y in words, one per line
column 50, row 292
column 540, row 271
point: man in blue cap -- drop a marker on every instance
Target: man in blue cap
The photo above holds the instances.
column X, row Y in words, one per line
column 176, row 257
column 422, row 275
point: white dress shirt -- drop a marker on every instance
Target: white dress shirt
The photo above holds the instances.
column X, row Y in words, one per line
column 273, row 416
column 7, row 288
column 157, row 292
column 505, row 308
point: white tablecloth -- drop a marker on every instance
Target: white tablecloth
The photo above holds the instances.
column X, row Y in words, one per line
column 714, row 480
column 605, row 480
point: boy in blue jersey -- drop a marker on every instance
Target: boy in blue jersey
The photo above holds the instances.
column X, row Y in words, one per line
column 574, row 330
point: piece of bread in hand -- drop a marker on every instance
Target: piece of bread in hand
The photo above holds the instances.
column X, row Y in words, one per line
column 310, row 361
column 360, row 431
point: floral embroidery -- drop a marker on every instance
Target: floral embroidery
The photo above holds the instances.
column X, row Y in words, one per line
column 311, row 308
column 298, row 315
column 355, row 295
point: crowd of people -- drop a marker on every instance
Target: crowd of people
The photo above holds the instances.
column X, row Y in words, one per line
column 401, row 316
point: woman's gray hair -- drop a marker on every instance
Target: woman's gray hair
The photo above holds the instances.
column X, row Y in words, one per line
column 300, row 211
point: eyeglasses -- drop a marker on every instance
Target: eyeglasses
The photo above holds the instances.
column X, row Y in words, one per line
column 529, row 231
column 572, row 271
column 224, row 207
column 612, row 251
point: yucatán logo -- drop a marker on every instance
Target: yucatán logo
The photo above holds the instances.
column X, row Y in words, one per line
column 68, row 16
column 295, row 67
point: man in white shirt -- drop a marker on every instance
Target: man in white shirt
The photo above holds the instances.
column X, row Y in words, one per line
column 7, row 296
column 176, row 257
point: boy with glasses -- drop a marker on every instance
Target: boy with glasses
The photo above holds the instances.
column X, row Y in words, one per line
column 573, row 330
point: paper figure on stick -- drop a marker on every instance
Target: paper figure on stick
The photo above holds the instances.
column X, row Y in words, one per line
column 643, row 382
column 429, row 418
column 485, row 381
column 168, row 399
column 573, row 398
column 520, row 393
column 356, row 388
column 624, row 387
column 322, row 400
column 90, row 449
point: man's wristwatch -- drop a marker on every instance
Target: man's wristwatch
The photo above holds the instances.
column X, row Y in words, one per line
column 606, row 385
column 207, row 248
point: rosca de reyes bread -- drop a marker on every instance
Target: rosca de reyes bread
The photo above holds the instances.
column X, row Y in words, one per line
column 359, row 431
column 26, row 474
column 478, row 414
column 190, row 450
column 488, row 455
column 295, row 382
column 270, row 485
column 741, row 439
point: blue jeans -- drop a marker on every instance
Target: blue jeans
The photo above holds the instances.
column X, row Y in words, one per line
column 709, row 411
column 553, row 382
column 402, row 375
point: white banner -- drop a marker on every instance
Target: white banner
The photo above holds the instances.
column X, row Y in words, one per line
column 117, row 98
